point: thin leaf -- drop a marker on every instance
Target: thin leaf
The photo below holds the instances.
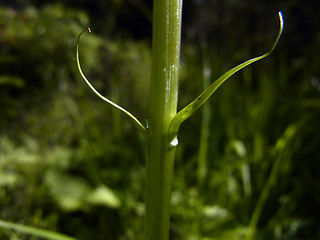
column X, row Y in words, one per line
column 186, row 112
column 34, row 231
column 97, row 93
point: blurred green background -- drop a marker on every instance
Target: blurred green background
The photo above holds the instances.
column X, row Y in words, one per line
column 70, row 163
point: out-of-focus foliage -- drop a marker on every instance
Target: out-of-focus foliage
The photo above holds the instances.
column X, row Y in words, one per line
column 70, row 163
column 55, row 133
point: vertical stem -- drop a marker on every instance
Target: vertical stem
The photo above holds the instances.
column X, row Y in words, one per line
column 163, row 107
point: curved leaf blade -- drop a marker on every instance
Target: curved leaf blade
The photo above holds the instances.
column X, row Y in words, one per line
column 186, row 112
column 136, row 121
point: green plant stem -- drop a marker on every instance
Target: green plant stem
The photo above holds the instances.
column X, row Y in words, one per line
column 163, row 107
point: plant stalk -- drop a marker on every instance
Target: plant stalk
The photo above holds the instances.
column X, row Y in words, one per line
column 163, row 107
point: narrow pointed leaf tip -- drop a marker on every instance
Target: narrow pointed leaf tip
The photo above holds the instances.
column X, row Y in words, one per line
column 281, row 19
column 186, row 112
column 135, row 120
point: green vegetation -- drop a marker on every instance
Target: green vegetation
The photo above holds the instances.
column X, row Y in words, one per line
column 245, row 168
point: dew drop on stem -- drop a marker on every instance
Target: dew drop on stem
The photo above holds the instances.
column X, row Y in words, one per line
column 174, row 142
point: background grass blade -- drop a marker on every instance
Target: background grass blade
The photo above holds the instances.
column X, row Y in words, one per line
column 34, row 231
column 186, row 112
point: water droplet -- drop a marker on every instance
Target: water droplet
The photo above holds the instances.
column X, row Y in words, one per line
column 174, row 142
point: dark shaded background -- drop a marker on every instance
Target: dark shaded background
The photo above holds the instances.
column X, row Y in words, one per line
column 72, row 164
